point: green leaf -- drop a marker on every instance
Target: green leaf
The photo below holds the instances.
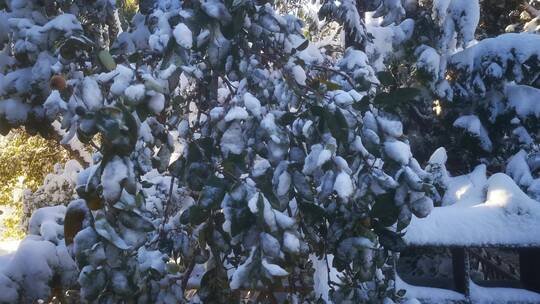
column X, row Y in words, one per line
column 106, row 60
column 386, row 78
column 194, row 154
column 197, row 215
column 303, row 45
column 330, row 85
column 337, row 124
column 242, row 220
column 286, row 119
column 312, row 211
column 177, row 167
column 135, row 221
column 407, row 93
column 390, row 240
column 385, row 210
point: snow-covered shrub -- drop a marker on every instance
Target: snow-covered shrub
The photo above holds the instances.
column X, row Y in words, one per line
column 42, row 267
column 58, row 189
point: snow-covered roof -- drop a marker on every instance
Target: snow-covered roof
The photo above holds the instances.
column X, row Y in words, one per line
column 478, row 211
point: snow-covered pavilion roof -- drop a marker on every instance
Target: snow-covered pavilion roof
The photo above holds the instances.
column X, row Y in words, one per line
column 480, row 212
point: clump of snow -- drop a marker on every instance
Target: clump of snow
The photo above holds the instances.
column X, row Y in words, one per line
column 135, row 92
column 393, row 128
column 92, row 96
column 14, row 111
column 291, row 243
column 232, row 140
column 343, row 185
column 242, row 272
column 274, row 269
column 157, row 103
column 428, row 61
column 111, row 180
column 500, row 49
column 518, row 169
column 236, row 113
column 398, row 151
column 47, row 222
column 183, row 36
column 299, row 75
column 54, row 104
column 27, row 274
column 252, row 104
column 524, row 99
column 466, row 189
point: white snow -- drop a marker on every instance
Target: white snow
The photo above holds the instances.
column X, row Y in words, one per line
column 242, row 272
column 291, row 243
column 260, row 166
column 252, row 203
column 501, row 48
column 429, row 61
column 524, row 99
column 504, row 216
column 92, row 94
column 299, row 75
column 284, row 183
column 320, row 286
column 428, row 294
column 157, row 103
column 14, row 110
column 466, row 189
column 324, row 156
column 135, row 92
column 393, row 128
column 283, row 221
column 341, row 98
column 252, row 104
column 499, row 295
column 111, row 180
column 236, row 113
column 26, row 274
column 274, row 269
column 343, row 185
column 398, row 151
column 45, row 222
column 54, row 104
column 439, row 156
column 183, row 36
column 518, row 169
column 232, row 140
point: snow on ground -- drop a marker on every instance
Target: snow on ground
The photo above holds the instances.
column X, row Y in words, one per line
column 499, row 295
column 502, row 216
column 428, row 294
column 478, row 294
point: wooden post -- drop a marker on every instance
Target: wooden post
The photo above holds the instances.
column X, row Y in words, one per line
column 529, row 268
column 460, row 267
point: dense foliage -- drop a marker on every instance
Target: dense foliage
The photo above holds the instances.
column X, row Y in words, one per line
column 233, row 154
